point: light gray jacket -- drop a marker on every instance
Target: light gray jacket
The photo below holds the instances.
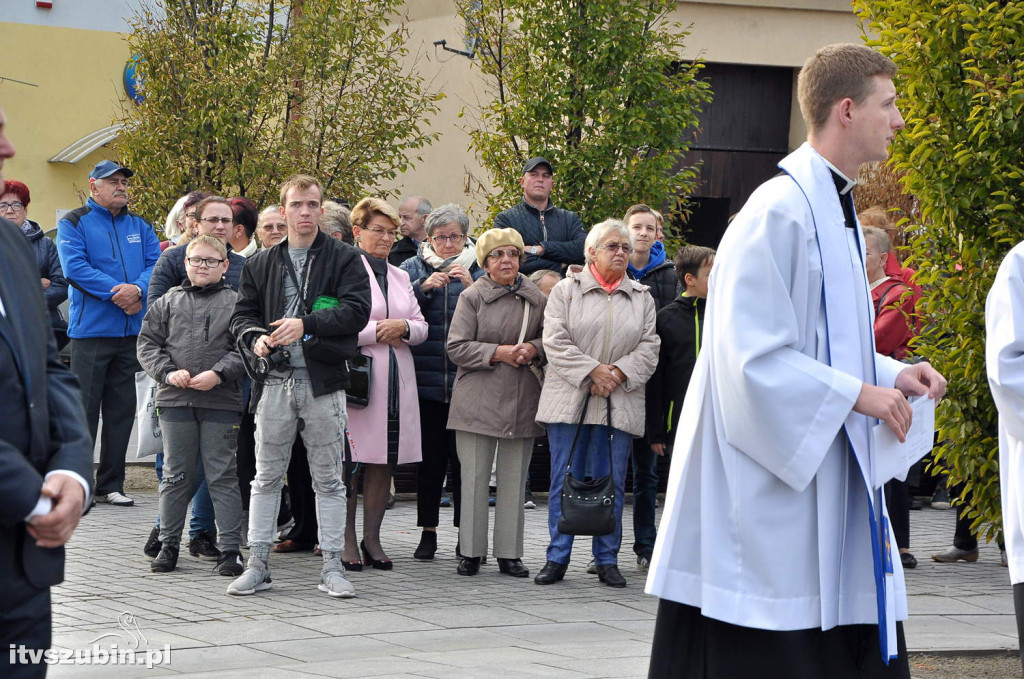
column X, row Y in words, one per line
column 188, row 328
column 584, row 327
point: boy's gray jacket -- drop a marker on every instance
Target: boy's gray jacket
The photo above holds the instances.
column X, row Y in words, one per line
column 188, row 329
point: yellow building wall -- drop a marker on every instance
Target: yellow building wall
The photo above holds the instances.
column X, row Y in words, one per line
column 79, row 75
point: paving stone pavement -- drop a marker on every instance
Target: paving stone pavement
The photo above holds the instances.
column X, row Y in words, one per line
column 424, row 620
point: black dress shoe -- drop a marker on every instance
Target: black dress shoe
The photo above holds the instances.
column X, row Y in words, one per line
column 513, row 567
column 908, row 560
column 551, row 573
column 470, row 565
column 428, row 545
column 610, row 575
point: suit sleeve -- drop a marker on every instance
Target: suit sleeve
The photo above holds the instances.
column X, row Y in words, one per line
column 75, row 263
column 248, row 312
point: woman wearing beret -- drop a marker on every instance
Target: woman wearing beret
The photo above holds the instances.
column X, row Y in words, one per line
column 495, row 339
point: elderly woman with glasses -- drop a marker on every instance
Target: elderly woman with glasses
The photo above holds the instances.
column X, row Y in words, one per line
column 271, row 227
column 601, row 343
column 445, row 266
column 495, row 339
column 14, row 200
column 387, row 431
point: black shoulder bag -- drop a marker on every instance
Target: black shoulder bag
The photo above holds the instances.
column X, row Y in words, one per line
column 588, row 507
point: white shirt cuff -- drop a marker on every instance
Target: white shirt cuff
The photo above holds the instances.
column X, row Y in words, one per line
column 42, row 508
column 77, row 477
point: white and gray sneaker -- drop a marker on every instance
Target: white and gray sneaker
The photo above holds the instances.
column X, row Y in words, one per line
column 255, row 578
column 333, row 581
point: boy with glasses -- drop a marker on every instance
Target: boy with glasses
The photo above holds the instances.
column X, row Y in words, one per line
column 199, row 400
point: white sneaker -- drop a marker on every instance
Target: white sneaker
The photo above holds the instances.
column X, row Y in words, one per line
column 333, row 582
column 529, row 504
column 117, row 499
column 255, row 578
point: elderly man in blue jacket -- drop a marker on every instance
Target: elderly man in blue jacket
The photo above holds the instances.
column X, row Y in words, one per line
column 553, row 237
column 108, row 254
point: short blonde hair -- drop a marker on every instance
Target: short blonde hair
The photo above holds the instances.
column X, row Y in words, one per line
column 205, row 239
column 300, row 182
column 835, row 72
column 367, row 207
column 601, row 231
column 879, row 237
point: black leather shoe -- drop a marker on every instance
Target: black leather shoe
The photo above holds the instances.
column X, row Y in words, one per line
column 428, row 545
column 470, row 565
column 551, row 573
column 153, row 544
column 908, row 560
column 610, row 575
column 513, row 567
column 165, row 561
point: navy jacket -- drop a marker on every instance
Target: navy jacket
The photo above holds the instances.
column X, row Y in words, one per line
column 561, row 234
column 49, row 268
column 680, row 326
column 44, row 423
column 169, row 272
column 435, row 372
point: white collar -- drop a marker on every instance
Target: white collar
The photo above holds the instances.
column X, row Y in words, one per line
column 850, row 183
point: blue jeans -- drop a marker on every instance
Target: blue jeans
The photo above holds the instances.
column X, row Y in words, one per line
column 592, row 445
column 202, row 504
column 645, row 493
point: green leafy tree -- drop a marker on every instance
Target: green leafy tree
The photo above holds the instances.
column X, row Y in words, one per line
column 596, row 86
column 962, row 83
column 239, row 95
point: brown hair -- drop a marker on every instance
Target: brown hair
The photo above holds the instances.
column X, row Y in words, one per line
column 690, row 259
column 639, row 208
column 300, row 182
column 211, row 200
column 836, row 72
column 367, row 207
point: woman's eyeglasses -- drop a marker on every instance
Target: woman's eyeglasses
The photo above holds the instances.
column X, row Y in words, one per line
column 457, row 238
column 217, row 220
column 511, row 253
column 615, row 247
column 383, row 233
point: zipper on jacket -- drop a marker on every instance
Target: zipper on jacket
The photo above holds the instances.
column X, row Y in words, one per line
column 444, row 348
column 206, row 330
column 124, row 269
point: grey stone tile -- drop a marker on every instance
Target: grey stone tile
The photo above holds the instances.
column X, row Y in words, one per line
column 368, row 667
column 445, row 640
column 930, row 604
column 562, row 634
column 943, row 633
column 365, row 622
column 329, row 648
column 242, row 631
column 478, row 659
column 472, row 616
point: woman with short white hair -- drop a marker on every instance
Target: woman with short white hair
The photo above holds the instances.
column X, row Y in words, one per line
column 601, row 347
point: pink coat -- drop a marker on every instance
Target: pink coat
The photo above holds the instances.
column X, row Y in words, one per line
column 367, row 427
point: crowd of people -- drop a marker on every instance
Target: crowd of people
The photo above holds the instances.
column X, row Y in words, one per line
column 476, row 351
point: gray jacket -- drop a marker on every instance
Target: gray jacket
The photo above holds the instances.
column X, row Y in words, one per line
column 188, row 328
column 495, row 399
column 584, row 326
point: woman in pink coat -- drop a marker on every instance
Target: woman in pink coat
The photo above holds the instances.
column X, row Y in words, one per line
column 387, row 431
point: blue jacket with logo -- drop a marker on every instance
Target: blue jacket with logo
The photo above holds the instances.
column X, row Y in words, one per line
column 99, row 250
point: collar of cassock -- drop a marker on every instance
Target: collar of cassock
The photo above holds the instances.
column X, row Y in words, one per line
column 844, row 187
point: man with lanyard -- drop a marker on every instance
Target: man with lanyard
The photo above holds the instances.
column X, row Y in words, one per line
column 774, row 540
column 308, row 296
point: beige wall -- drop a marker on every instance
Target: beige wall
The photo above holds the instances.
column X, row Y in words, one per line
column 78, row 73
column 766, row 32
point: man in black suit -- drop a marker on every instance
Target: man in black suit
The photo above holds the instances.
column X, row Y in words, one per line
column 45, row 455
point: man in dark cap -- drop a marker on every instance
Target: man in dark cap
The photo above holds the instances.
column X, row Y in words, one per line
column 108, row 255
column 553, row 237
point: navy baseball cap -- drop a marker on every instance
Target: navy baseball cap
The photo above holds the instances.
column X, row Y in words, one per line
column 532, row 164
column 105, row 168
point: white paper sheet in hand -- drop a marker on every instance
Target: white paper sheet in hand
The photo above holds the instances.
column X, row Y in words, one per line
column 892, row 459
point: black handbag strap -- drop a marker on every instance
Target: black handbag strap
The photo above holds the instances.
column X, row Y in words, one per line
column 579, row 425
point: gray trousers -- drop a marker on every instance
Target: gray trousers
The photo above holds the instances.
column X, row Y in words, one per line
column 476, row 455
column 288, row 408
column 187, row 434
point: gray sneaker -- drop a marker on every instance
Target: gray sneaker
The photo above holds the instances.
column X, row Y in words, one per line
column 255, row 578
column 333, row 581
column 592, row 567
column 954, row 554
